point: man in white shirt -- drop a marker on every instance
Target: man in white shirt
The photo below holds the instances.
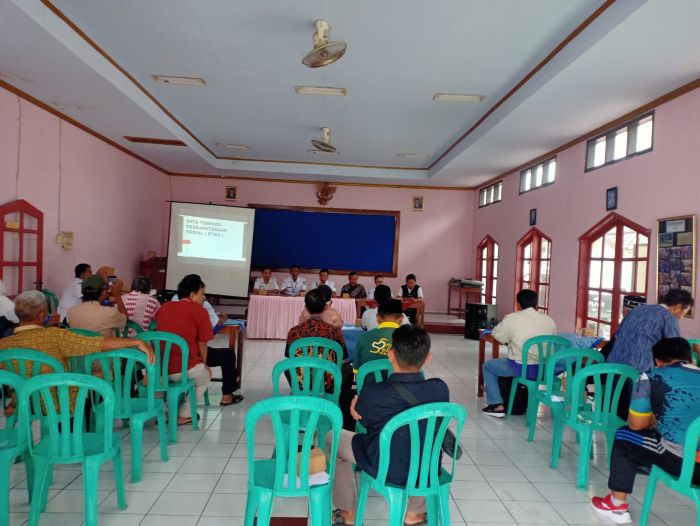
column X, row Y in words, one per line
column 266, row 283
column 323, row 280
column 378, row 280
column 514, row 330
column 293, row 285
column 369, row 317
column 72, row 294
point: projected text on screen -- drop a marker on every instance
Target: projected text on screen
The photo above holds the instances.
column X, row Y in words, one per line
column 209, row 238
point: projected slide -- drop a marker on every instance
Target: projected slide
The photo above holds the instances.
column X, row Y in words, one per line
column 208, row 238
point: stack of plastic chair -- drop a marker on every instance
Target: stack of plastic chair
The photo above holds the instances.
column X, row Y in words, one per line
column 63, row 439
column 426, row 477
column 119, row 368
column 287, row 474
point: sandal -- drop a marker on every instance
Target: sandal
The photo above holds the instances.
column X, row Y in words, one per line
column 338, row 518
column 421, row 523
column 236, row 399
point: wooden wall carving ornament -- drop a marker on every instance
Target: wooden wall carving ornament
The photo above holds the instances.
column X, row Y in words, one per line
column 324, row 193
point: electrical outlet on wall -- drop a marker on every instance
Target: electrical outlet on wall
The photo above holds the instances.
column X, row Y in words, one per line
column 65, row 239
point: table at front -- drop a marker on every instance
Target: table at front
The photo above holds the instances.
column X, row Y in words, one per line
column 406, row 304
column 462, row 291
column 271, row 317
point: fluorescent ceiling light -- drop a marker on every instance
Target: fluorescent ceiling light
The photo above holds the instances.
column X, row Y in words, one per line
column 412, row 155
column 316, row 152
column 457, row 97
column 232, row 146
column 320, row 90
column 179, row 81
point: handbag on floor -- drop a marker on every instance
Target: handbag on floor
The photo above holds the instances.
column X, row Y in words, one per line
column 505, row 384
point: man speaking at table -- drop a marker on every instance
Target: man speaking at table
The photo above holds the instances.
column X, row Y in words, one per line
column 293, row 285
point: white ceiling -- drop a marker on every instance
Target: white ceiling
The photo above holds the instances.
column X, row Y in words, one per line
column 400, row 52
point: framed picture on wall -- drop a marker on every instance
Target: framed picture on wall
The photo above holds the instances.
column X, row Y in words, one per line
column 230, row 193
column 611, row 199
column 417, row 203
column 533, row 216
column 675, row 256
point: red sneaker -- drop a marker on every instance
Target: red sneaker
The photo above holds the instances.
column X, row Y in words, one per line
column 618, row 514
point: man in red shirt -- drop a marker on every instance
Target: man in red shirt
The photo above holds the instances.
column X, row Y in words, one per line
column 188, row 319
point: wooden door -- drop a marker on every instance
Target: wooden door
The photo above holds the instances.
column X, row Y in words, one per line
column 21, row 261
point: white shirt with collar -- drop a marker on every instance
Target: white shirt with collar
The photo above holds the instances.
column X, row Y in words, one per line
column 328, row 283
column 72, row 296
column 369, row 319
column 270, row 285
column 213, row 316
column 518, row 327
column 293, row 288
column 420, row 291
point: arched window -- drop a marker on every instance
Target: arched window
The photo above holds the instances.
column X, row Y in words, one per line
column 613, row 261
column 532, row 266
column 487, row 268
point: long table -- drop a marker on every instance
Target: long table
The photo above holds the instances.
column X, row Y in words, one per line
column 271, row 317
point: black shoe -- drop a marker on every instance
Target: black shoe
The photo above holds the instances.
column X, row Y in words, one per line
column 492, row 411
column 237, row 399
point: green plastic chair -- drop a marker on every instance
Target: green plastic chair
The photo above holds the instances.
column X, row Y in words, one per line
column 76, row 364
column 51, row 300
column 84, row 332
column 546, row 346
column 683, row 483
column 696, row 357
column 63, row 440
column 126, row 332
column 574, row 360
column 585, row 416
column 426, row 477
column 377, row 370
column 162, row 343
column 153, row 326
column 12, row 446
column 119, row 368
column 277, row 477
column 320, row 347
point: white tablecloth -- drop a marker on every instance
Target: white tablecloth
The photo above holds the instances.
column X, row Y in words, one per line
column 272, row 316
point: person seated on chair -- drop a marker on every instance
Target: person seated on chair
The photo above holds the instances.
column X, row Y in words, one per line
column 378, row 280
column 665, row 402
column 73, row 295
column 629, row 302
column 7, row 307
column 411, row 291
column 514, row 330
column 266, row 284
column 294, row 285
column 323, row 275
column 31, row 309
column 369, row 317
column 352, row 288
column 329, row 314
column 375, row 344
column 141, row 307
column 188, row 319
column 374, row 407
column 94, row 316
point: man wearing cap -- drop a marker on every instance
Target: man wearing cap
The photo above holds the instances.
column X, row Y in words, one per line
column 629, row 302
column 375, row 344
column 94, row 316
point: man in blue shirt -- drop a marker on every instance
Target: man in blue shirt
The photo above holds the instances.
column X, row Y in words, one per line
column 665, row 402
column 376, row 405
column 646, row 325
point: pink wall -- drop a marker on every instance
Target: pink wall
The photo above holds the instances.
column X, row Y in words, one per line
column 113, row 203
column 434, row 244
column 664, row 182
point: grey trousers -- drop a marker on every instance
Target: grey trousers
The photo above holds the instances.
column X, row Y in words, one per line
column 344, row 495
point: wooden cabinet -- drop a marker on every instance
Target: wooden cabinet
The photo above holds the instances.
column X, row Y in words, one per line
column 154, row 269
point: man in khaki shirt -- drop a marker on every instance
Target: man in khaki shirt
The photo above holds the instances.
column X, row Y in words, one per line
column 514, row 330
column 94, row 316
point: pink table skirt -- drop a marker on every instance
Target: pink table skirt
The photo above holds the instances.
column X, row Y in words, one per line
column 271, row 317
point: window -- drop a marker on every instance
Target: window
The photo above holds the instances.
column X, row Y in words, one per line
column 613, row 261
column 490, row 194
column 532, row 266
column 618, row 144
column 541, row 174
column 487, row 265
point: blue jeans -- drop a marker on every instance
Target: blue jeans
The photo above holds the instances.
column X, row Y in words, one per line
column 492, row 370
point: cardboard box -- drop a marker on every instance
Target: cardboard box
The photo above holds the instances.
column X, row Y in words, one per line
column 317, row 461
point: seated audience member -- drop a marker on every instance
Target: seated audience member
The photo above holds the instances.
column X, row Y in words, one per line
column 7, row 306
column 369, row 317
column 323, row 280
column 514, row 330
column 375, row 344
column 411, row 291
column 378, row 280
column 329, row 314
column 141, row 307
column 629, row 302
column 94, row 316
column 31, row 310
column 293, row 285
column 188, row 319
column 646, row 325
column 354, row 289
column 266, row 283
column 374, row 407
column 314, row 326
column 73, row 295
column 665, row 402
column 216, row 319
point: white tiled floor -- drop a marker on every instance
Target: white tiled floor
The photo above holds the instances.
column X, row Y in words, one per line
column 501, row 480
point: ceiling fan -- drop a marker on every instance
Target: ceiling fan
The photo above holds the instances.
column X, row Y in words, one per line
column 325, row 51
column 324, row 144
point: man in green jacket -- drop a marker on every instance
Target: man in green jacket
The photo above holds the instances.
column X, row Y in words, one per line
column 375, row 344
